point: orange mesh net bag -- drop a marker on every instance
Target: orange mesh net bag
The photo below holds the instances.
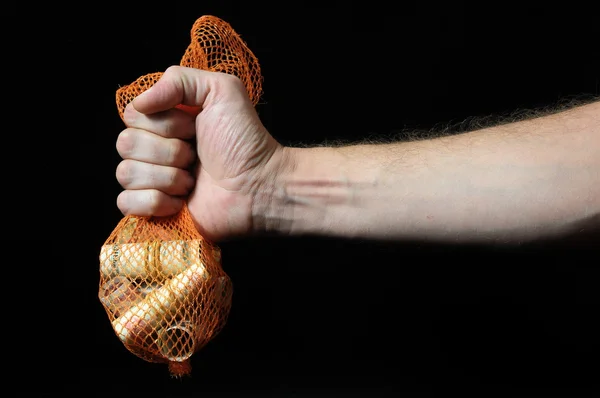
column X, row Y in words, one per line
column 161, row 283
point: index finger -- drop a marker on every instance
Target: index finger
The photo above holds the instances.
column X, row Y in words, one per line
column 171, row 123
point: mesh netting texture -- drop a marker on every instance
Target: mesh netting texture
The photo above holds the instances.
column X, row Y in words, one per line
column 161, row 283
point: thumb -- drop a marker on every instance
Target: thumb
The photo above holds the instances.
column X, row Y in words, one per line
column 187, row 88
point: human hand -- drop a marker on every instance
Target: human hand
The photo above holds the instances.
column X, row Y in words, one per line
column 219, row 160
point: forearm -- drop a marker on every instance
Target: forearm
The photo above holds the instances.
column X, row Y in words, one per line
column 514, row 182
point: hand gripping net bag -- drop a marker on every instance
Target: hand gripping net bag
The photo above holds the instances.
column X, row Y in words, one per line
column 162, row 283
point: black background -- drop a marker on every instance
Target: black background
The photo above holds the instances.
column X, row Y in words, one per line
column 332, row 317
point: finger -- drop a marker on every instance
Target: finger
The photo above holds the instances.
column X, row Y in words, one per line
column 188, row 86
column 148, row 202
column 135, row 175
column 172, row 123
column 147, row 147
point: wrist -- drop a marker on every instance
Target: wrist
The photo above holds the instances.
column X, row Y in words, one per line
column 268, row 210
column 275, row 209
column 311, row 191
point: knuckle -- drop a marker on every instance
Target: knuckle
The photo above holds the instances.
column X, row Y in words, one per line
column 129, row 115
column 173, row 178
column 173, row 69
column 169, row 128
column 124, row 172
column 179, row 153
column 154, row 201
column 231, row 80
column 173, row 72
column 123, row 202
column 125, row 142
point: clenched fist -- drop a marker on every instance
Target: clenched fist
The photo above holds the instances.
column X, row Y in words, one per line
column 219, row 160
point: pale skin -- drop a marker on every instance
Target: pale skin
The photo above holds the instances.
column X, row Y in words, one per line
column 511, row 183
